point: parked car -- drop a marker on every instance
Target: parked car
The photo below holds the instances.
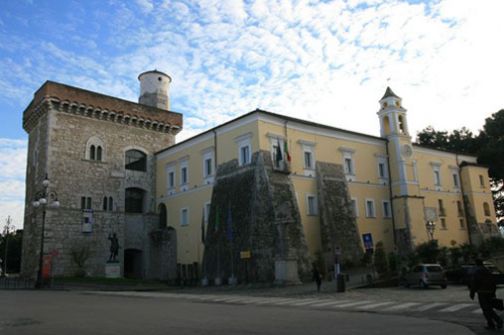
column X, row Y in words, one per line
column 425, row 275
column 463, row 274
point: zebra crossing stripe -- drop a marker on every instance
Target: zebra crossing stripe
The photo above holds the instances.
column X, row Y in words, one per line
column 477, row 311
column 306, row 302
column 456, row 307
column 402, row 306
column 286, row 301
column 429, row 306
column 353, row 304
column 378, row 304
column 332, row 302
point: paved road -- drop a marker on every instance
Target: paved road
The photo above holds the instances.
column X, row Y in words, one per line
column 75, row 313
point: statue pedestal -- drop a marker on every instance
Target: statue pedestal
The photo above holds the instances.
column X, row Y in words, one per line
column 286, row 272
column 113, row 270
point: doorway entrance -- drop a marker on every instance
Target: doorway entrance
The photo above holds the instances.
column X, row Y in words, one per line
column 133, row 263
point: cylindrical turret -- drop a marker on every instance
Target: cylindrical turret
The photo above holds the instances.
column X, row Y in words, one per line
column 154, row 87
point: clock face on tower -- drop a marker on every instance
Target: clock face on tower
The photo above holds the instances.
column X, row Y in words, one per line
column 407, row 150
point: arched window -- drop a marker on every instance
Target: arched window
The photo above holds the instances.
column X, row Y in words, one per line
column 402, row 125
column 136, row 160
column 486, row 209
column 134, row 200
column 95, row 149
column 162, row 216
column 92, row 153
column 98, row 153
column 108, row 204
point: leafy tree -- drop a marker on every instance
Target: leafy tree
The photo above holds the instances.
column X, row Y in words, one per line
column 428, row 252
column 380, row 259
column 488, row 146
column 492, row 155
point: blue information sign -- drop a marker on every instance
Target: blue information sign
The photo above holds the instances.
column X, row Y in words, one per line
column 368, row 241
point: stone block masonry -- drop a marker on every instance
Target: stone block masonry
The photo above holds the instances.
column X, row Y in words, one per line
column 338, row 227
column 264, row 220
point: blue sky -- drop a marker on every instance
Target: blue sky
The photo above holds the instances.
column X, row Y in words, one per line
column 324, row 61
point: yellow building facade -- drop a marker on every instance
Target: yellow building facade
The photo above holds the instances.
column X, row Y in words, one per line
column 399, row 193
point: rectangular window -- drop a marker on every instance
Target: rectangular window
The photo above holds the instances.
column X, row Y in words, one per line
column 171, row 179
column 312, row 204
column 443, row 223
column 455, row 180
column 482, row 180
column 370, row 209
column 462, row 224
column 184, row 217
column 308, row 163
column 208, row 167
column 386, row 209
column 348, row 166
column 245, row 155
column 381, row 170
column 441, row 208
column 183, row 175
column 460, row 210
column 355, row 211
column 437, row 178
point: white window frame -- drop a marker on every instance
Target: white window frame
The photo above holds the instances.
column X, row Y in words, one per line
column 368, row 214
column 348, row 156
column 309, row 210
column 206, row 212
column 355, row 206
column 308, row 147
column 208, row 155
column 455, row 177
column 170, row 183
column 184, row 219
column 436, row 175
column 385, row 214
column 184, row 165
column 244, row 141
column 382, row 162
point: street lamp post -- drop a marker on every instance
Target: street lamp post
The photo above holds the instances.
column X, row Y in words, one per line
column 45, row 198
column 430, row 226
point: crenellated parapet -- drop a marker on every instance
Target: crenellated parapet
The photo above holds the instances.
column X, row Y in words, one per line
column 76, row 101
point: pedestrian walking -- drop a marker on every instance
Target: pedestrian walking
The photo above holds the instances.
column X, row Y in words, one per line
column 317, row 277
column 483, row 283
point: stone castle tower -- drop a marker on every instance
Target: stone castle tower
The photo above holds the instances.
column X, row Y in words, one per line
column 98, row 153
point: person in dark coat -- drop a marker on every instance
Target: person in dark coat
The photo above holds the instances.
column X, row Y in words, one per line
column 317, row 277
column 484, row 284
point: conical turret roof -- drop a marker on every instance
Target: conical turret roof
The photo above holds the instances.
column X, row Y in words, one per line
column 389, row 93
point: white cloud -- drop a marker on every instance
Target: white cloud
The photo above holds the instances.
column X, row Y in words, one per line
column 12, row 179
column 323, row 61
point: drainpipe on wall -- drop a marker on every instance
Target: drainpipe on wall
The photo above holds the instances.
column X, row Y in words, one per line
column 464, row 204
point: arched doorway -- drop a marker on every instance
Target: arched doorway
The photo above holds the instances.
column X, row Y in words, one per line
column 133, row 267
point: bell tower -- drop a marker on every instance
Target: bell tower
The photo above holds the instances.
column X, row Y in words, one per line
column 405, row 196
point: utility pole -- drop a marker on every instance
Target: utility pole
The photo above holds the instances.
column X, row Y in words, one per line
column 6, row 232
